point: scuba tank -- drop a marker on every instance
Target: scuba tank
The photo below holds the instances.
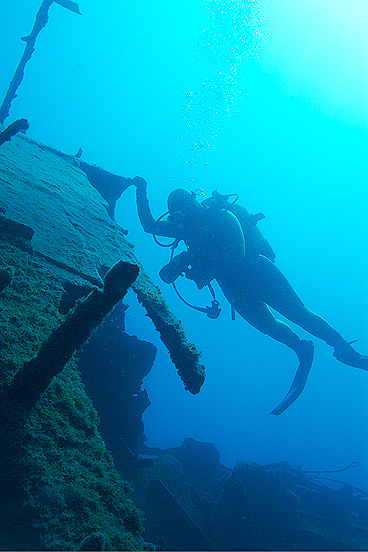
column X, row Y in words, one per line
column 255, row 242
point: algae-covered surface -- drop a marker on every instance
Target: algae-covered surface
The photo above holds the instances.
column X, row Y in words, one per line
column 61, row 480
column 29, row 305
column 58, row 485
column 69, row 217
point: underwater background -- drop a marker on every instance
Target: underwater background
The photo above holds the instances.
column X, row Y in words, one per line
column 266, row 99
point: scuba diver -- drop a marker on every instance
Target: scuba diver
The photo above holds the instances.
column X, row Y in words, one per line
column 224, row 244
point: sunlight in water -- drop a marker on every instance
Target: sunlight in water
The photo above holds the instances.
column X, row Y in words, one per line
column 320, row 50
column 232, row 34
column 316, row 49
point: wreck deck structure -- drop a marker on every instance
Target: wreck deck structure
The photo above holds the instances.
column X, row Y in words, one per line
column 57, row 243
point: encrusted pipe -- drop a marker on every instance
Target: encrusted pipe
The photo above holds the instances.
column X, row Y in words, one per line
column 184, row 355
column 33, row 378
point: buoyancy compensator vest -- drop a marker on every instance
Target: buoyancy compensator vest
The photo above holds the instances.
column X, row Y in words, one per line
column 255, row 242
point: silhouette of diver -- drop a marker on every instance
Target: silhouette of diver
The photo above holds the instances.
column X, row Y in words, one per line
column 250, row 281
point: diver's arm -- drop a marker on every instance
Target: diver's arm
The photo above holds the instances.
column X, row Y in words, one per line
column 144, row 211
column 150, row 225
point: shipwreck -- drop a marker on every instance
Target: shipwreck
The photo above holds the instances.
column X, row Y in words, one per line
column 75, row 472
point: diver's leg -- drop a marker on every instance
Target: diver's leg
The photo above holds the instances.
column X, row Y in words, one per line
column 275, row 290
column 256, row 313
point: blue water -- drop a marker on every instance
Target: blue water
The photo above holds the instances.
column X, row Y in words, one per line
column 266, row 99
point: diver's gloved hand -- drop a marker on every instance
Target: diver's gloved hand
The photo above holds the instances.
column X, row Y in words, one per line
column 139, row 182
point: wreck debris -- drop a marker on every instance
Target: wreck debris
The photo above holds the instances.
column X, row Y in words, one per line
column 73, row 292
column 70, row 5
column 15, row 229
column 188, row 494
column 184, row 355
column 96, row 541
column 40, row 22
column 12, row 129
column 110, row 185
column 118, row 396
column 165, row 511
column 6, row 276
column 32, row 379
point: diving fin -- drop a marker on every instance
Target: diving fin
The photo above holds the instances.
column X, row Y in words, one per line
column 300, row 378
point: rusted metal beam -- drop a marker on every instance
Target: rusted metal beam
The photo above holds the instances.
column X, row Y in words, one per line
column 41, row 20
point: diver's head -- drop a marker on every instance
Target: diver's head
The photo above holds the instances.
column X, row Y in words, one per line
column 182, row 201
